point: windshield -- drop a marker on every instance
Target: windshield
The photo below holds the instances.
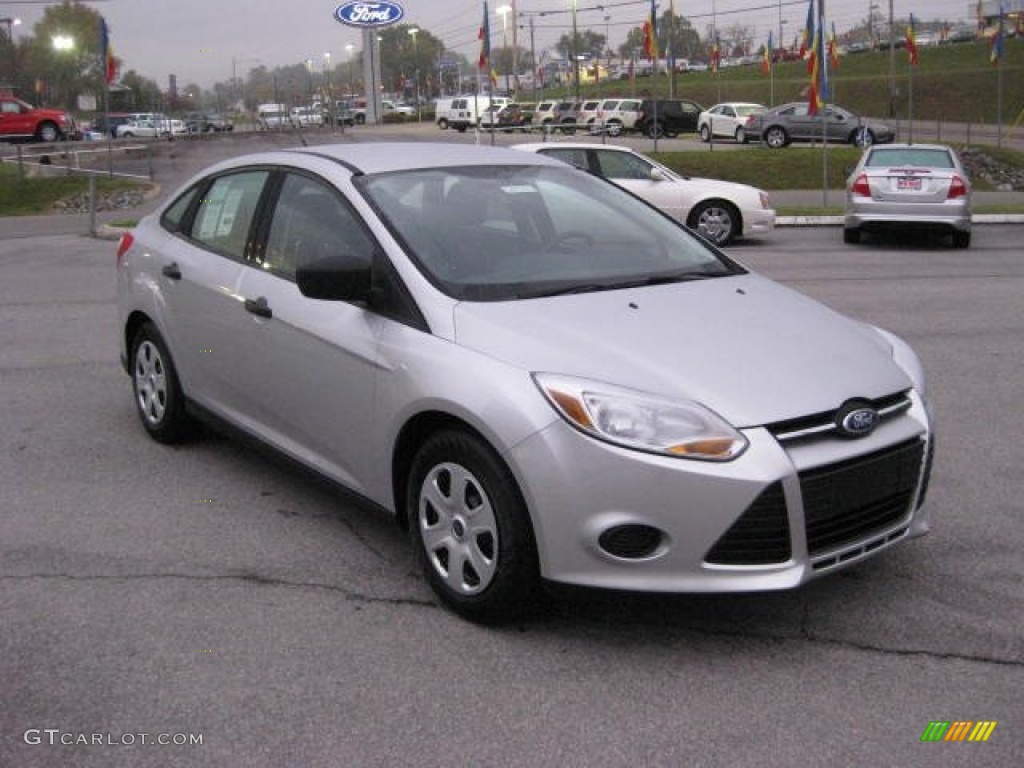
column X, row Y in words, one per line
column 492, row 233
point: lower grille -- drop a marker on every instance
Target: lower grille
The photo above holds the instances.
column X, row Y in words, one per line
column 760, row 536
column 855, row 499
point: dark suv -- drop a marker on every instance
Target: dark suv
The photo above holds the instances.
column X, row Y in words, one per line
column 668, row 117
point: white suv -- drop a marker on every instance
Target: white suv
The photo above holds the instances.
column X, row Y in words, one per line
column 618, row 115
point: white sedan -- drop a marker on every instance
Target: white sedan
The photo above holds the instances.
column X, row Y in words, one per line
column 728, row 119
column 721, row 211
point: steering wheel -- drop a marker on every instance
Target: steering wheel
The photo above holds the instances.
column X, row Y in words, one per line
column 571, row 240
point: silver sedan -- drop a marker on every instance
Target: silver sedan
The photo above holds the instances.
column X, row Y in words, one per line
column 907, row 186
column 539, row 375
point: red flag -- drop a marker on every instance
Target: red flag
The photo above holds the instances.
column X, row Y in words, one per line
column 485, row 42
column 911, row 42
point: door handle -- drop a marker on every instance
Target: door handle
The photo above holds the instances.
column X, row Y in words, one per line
column 172, row 271
column 259, row 307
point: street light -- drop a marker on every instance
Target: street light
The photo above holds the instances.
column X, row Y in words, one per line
column 63, row 42
column 504, row 11
column 11, row 23
column 416, row 68
column 350, row 49
column 575, row 52
column 327, row 88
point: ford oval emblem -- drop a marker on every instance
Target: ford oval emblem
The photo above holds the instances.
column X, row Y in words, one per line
column 364, row 14
column 856, row 419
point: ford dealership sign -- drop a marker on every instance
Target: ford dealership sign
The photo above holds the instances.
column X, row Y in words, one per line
column 363, row 14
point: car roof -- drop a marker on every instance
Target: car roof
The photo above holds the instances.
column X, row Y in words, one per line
column 384, row 157
column 539, row 145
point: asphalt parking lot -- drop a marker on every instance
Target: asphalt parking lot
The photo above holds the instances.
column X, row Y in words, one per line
column 208, row 590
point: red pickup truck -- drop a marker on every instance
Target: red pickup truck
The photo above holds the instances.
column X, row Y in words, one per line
column 20, row 120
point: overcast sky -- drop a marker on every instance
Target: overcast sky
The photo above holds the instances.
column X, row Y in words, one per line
column 198, row 39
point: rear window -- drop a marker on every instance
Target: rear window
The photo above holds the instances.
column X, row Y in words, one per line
column 927, row 158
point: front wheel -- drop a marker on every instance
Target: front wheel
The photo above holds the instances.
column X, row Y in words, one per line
column 655, row 131
column 775, row 137
column 159, row 400
column 614, row 128
column 470, row 528
column 705, row 134
column 715, row 220
column 443, row 124
column 862, row 137
column 851, row 235
column 48, row 133
column 740, row 135
column 360, row 119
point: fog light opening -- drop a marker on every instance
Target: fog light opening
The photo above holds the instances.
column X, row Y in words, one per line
column 631, row 542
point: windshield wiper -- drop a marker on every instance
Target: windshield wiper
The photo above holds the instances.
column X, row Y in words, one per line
column 662, row 279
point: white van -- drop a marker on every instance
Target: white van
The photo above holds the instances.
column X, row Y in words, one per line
column 272, row 116
column 465, row 111
column 443, row 112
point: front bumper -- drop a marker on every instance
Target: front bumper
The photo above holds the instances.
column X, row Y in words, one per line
column 758, row 221
column 779, row 515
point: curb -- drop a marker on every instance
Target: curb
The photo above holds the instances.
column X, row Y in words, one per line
column 837, row 221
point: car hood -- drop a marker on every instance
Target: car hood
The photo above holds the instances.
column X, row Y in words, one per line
column 752, row 350
column 728, row 189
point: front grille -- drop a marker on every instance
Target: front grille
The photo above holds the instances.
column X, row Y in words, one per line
column 855, row 499
column 760, row 536
column 825, row 422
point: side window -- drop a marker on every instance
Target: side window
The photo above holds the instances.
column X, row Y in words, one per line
column 577, row 157
column 171, row 220
column 225, row 213
column 622, row 165
column 310, row 222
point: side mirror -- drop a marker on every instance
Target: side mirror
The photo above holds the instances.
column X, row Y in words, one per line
column 657, row 174
column 342, row 277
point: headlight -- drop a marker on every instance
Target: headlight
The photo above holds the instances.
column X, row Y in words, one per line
column 679, row 428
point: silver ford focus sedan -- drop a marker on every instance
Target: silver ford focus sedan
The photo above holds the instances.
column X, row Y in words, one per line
column 539, row 375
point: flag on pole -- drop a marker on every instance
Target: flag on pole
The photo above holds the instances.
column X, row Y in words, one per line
column 833, row 50
column 818, row 95
column 912, row 42
column 716, row 55
column 996, row 51
column 807, row 38
column 651, row 35
column 109, row 63
column 766, row 60
column 484, row 36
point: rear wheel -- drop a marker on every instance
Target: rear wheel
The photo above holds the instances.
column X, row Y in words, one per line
column 851, row 235
column 159, row 400
column 862, row 137
column 961, row 239
column 470, row 528
column 614, row 128
column 443, row 124
column 655, row 130
column 716, row 220
column 776, row 137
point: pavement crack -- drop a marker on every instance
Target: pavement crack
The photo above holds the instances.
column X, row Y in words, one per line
column 242, row 576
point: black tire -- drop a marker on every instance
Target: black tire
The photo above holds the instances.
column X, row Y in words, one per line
column 740, row 135
column 717, row 221
column 464, row 506
column 851, row 235
column 360, row 119
column 961, row 239
column 614, row 128
column 568, row 128
column 159, row 400
column 863, row 138
column 461, row 128
column 47, row 132
column 443, row 124
column 776, row 137
column 654, row 130
column 705, row 134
